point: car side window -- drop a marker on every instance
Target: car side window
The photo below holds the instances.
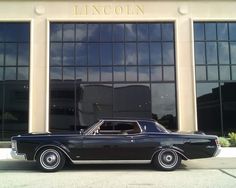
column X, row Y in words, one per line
column 119, row 128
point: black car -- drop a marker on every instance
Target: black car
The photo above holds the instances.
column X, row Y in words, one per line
column 116, row 141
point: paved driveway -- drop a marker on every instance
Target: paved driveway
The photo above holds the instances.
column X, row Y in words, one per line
column 212, row 173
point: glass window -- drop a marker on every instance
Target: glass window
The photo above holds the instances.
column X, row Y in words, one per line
column 156, row 73
column 68, row 54
column 118, row 32
column 99, row 67
column 11, row 54
column 211, row 52
column 106, row 74
column 118, row 54
column 93, row 74
column 225, row 72
column 56, row 32
column 199, row 33
column 232, row 31
column 131, row 73
column 200, row 53
column 167, row 32
column 119, row 74
column 200, row 73
column 81, row 32
column 106, row 32
column 93, row 54
column 212, row 72
column 164, row 104
column 142, row 32
column 155, row 53
column 130, row 53
column 223, row 50
column 220, row 56
column 93, row 32
column 23, row 73
column 106, row 53
column 208, row 107
column 68, row 73
column 168, row 53
column 68, row 32
column 81, row 74
column 81, row 54
column 210, row 31
column 155, row 32
column 56, row 73
column 144, row 73
column 143, row 54
column 14, row 76
column 222, row 31
column 130, row 32
column 55, row 54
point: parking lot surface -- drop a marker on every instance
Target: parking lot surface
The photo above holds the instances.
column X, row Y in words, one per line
column 212, row 173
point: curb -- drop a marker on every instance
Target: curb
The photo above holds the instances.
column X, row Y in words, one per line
column 5, row 153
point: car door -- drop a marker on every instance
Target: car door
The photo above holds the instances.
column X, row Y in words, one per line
column 105, row 147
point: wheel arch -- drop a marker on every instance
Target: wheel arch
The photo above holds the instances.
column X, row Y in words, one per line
column 178, row 151
column 40, row 148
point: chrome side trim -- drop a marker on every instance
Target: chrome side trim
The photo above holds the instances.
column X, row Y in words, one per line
column 52, row 146
column 18, row 156
column 111, row 162
column 169, row 149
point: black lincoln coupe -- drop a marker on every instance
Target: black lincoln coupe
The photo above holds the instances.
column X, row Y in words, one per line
column 114, row 141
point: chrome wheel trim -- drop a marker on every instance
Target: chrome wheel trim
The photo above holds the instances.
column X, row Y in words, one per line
column 168, row 158
column 50, row 159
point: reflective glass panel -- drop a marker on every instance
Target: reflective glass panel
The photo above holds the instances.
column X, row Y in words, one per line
column 81, row 32
column 56, row 32
column 200, row 73
column 225, row 72
column 199, row 31
column 155, row 32
column 1, row 54
column 210, row 30
column 130, row 32
column 106, row 74
column 68, row 73
column 68, row 54
column 168, row 53
column 222, row 31
column 23, row 54
column 130, row 53
column 167, row 32
column 106, row 53
column 233, row 52
column 200, row 53
column 142, row 32
column 93, row 32
column 81, row 74
column 118, row 54
column 144, row 73
column 23, row 73
column 168, row 73
column 211, row 52
column 93, row 54
column 223, row 51
column 164, row 104
column 118, row 32
column 212, row 72
column 11, row 54
column 81, row 53
column 68, row 32
column 143, row 54
column 55, row 54
column 156, row 73
column 232, row 31
column 155, row 53
column 119, row 73
column 1, row 73
column 131, row 73
column 106, row 32
column 10, row 73
column 93, row 74
column 56, row 73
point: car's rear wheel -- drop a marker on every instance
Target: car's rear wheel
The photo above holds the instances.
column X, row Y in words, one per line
column 50, row 160
column 166, row 159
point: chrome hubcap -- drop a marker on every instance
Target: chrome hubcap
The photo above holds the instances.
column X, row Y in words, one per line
column 50, row 159
column 167, row 158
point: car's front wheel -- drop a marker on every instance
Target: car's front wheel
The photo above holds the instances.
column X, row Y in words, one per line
column 50, row 160
column 166, row 159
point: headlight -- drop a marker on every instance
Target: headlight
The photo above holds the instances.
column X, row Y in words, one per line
column 14, row 145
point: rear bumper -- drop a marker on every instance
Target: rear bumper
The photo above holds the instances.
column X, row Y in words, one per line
column 217, row 151
column 18, row 156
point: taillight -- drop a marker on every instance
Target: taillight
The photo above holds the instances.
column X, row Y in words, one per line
column 217, row 142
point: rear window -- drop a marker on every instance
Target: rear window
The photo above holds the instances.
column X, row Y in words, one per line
column 149, row 126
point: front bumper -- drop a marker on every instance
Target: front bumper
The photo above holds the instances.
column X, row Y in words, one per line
column 18, row 156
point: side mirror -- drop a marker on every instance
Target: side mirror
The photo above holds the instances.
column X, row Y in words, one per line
column 81, row 131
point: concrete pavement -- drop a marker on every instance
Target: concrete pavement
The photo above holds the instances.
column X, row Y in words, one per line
column 202, row 173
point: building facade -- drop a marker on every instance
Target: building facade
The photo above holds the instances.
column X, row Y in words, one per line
column 65, row 64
